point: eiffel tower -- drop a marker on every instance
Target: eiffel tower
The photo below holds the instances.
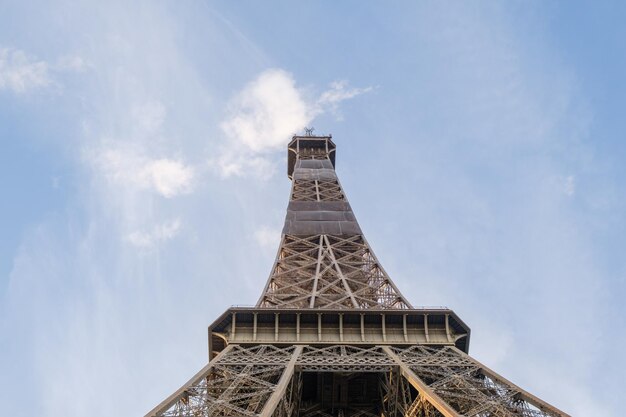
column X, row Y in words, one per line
column 332, row 336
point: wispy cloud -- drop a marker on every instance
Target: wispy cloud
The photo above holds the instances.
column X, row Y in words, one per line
column 158, row 234
column 131, row 161
column 569, row 186
column 71, row 63
column 242, row 163
column 168, row 177
column 339, row 91
column 267, row 238
column 148, row 117
column 124, row 168
column 20, row 72
column 133, row 120
column 263, row 116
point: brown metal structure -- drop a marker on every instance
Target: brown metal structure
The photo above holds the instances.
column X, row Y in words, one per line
column 332, row 336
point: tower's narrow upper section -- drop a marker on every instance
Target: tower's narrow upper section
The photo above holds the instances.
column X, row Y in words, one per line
column 317, row 204
column 309, row 148
column 324, row 260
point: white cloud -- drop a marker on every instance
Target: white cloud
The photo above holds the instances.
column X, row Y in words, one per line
column 267, row 238
column 167, row 177
column 267, row 111
column 227, row 165
column 130, row 162
column 160, row 233
column 244, row 164
column 20, row 72
column 338, row 92
column 264, row 115
column 569, row 187
column 148, row 116
column 72, row 63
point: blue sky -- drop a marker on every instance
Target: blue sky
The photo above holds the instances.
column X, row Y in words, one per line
column 143, row 181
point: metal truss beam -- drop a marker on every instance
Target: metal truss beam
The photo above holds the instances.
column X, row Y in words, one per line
column 424, row 390
column 281, row 388
column 263, row 381
column 327, row 271
column 458, row 385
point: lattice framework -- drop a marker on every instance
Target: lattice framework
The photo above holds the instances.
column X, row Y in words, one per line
column 266, row 380
column 324, row 271
column 324, row 262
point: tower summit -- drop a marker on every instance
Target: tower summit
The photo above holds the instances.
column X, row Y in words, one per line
column 332, row 336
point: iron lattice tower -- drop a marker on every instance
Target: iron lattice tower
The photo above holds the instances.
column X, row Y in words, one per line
column 331, row 335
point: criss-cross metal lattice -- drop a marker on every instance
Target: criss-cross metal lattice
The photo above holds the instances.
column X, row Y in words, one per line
column 317, row 190
column 465, row 385
column 325, row 270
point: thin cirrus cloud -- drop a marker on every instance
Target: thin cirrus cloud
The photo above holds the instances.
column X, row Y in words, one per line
column 265, row 113
column 130, row 163
column 20, row 72
column 158, row 234
column 338, row 92
column 166, row 177
column 267, row 237
column 71, row 63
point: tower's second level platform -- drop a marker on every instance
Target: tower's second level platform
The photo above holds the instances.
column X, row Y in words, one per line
column 423, row 326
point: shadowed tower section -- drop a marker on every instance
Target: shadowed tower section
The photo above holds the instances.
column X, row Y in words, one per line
column 332, row 336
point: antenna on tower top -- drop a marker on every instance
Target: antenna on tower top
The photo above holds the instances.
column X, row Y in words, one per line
column 308, row 131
